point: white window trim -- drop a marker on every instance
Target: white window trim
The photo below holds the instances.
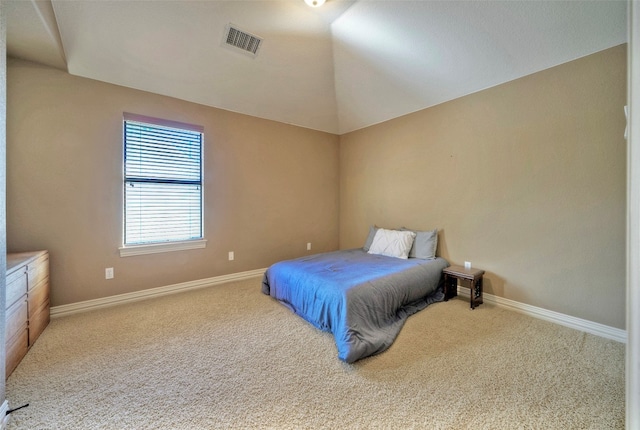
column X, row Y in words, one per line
column 155, row 248
column 159, row 247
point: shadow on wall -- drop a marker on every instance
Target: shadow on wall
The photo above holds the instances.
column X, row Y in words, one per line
column 493, row 284
column 441, row 248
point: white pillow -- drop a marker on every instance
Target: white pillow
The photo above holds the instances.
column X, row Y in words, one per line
column 392, row 243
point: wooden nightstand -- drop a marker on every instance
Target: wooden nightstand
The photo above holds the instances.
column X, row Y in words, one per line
column 470, row 277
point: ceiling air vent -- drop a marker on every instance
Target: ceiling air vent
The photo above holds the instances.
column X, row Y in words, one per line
column 239, row 39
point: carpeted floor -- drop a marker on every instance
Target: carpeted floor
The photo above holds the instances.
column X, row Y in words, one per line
column 230, row 357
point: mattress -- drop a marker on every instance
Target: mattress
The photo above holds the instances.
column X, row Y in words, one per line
column 362, row 299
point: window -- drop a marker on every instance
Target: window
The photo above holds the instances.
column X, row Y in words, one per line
column 162, row 184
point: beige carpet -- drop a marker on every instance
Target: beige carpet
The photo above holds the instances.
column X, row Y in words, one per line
column 230, row 357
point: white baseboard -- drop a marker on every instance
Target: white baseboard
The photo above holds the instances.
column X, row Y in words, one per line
column 4, row 418
column 554, row 317
column 62, row 310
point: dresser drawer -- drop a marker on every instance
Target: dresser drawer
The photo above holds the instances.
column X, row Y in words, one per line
column 16, row 318
column 38, row 296
column 16, row 349
column 38, row 271
column 16, row 286
column 38, row 322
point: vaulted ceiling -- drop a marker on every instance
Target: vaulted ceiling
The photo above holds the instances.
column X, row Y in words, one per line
column 337, row 68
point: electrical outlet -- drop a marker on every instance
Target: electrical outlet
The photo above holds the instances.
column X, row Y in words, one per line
column 231, row 256
column 108, row 273
column 308, row 246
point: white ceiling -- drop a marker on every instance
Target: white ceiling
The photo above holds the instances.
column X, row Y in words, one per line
column 338, row 68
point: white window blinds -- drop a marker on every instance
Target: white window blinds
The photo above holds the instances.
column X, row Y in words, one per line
column 162, row 181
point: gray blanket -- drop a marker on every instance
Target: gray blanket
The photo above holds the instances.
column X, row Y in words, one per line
column 363, row 299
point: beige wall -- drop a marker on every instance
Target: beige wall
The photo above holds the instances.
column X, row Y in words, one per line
column 269, row 187
column 526, row 180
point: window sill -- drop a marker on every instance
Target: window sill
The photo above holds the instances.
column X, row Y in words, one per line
column 155, row 248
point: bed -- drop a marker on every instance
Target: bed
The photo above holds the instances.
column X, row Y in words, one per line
column 363, row 299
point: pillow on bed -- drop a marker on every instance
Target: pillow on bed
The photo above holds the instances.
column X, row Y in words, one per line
column 369, row 241
column 424, row 245
column 392, row 243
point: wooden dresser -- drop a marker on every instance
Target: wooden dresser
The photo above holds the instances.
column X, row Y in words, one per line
column 27, row 312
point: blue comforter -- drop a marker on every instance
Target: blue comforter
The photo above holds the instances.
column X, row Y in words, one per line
column 363, row 299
